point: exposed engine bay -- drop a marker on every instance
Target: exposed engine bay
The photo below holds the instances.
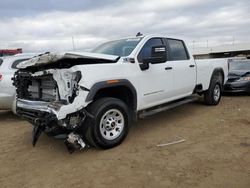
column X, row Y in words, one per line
column 50, row 97
column 49, row 86
column 41, row 95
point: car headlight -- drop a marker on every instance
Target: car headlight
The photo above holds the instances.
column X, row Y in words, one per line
column 245, row 78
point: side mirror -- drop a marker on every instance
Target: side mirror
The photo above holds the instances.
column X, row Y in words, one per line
column 158, row 55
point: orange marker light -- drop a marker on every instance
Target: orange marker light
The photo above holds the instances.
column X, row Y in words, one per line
column 112, row 81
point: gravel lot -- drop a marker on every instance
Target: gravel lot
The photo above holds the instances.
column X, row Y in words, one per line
column 216, row 152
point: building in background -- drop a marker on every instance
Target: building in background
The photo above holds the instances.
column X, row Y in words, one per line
column 223, row 51
column 9, row 52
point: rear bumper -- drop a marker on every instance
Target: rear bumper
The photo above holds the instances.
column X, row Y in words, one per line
column 234, row 87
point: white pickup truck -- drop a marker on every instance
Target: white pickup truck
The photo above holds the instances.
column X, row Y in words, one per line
column 92, row 98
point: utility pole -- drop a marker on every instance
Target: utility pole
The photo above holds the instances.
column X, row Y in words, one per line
column 73, row 43
column 233, row 40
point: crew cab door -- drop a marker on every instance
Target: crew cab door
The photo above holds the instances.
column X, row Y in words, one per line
column 156, row 82
column 184, row 68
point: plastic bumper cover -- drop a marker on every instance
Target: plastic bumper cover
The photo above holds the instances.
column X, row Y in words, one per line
column 242, row 86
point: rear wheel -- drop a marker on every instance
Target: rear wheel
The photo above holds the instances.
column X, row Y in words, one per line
column 213, row 95
column 110, row 124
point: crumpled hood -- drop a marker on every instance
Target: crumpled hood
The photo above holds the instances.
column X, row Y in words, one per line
column 48, row 58
column 238, row 73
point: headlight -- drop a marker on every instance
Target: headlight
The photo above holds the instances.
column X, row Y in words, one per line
column 244, row 79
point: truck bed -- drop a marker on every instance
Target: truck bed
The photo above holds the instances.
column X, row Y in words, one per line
column 205, row 68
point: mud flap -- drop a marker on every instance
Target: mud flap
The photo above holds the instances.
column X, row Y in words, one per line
column 36, row 133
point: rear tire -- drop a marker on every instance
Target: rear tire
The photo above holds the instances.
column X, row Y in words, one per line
column 213, row 95
column 110, row 124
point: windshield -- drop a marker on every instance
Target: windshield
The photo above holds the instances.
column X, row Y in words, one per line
column 242, row 66
column 1, row 61
column 122, row 47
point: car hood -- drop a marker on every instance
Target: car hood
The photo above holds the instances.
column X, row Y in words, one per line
column 53, row 58
column 238, row 73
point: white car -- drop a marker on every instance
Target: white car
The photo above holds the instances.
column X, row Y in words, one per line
column 92, row 97
column 7, row 70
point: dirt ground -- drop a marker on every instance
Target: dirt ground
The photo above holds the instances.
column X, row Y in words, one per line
column 216, row 152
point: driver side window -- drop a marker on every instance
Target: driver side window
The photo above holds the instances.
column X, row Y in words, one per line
column 145, row 52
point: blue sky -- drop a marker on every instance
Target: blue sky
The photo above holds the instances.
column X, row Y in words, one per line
column 49, row 25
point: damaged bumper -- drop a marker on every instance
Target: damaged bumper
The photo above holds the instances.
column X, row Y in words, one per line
column 44, row 118
column 38, row 106
column 70, row 129
column 60, row 110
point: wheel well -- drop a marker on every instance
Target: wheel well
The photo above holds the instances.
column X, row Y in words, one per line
column 217, row 73
column 120, row 92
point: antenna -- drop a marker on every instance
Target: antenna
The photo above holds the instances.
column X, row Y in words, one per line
column 139, row 34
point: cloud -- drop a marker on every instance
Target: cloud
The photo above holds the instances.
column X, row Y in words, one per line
column 31, row 7
column 49, row 25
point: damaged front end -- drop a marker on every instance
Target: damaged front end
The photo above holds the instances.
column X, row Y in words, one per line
column 50, row 97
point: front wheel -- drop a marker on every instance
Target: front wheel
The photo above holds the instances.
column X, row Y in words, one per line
column 213, row 95
column 110, row 124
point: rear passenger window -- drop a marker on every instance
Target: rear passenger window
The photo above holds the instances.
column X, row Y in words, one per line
column 15, row 63
column 1, row 61
column 177, row 50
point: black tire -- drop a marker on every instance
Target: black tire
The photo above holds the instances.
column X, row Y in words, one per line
column 210, row 96
column 95, row 131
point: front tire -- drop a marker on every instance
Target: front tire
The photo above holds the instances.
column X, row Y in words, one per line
column 110, row 124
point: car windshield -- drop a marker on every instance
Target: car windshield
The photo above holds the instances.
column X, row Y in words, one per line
column 242, row 66
column 1, row 61
column 122, row 47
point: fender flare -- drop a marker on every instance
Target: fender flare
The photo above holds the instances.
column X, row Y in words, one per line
column 218, row 70
column 109, row 84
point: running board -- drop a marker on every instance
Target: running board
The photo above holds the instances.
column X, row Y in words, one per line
column 167, row 106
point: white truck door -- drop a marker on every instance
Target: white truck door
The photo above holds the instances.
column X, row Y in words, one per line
column 156, row 82
column 184, row 68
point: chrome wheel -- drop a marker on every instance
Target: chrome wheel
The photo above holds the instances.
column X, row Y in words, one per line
column 112, row 124
column 217, row 92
